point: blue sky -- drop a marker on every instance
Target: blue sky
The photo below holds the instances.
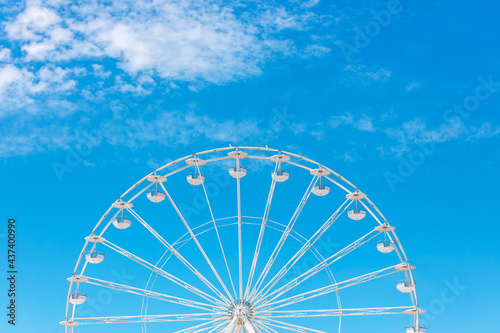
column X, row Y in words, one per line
column 401, row 98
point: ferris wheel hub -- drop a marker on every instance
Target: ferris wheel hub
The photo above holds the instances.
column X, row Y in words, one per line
column 241, row 311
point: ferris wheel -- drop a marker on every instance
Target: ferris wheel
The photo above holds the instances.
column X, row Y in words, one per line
column 242, row 240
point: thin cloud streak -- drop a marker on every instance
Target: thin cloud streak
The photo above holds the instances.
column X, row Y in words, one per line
column 168, row 129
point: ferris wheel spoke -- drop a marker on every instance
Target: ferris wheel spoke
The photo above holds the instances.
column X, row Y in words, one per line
column 256, row 328
column 260, row 325
column 327, row 289
column 266, row 328
column 164, row 274
column 195, row 239
column 152, row 294
column 218, row 326
column 216, row 231
column 262, row 229
column 305, row 247
column 289, row 327
column 188, row 317
column 199, row 327
column 395, row 310
column 319, row 267
column 240, row 257
column 179, row 256
column 283, row 238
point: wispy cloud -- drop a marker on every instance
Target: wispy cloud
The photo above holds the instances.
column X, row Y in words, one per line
column 20, row 86
column 178, row 40
column 348, row 158
column 412, row 86
column 416, row 131
column 5, row 54
column 363, row 124
column 403, row 137
column 59, row 58
column 180, row 129
column 172, row 129
column 179, row 43
column 28, row 138
column 360, row 74
column 485, row 131
column 314, row 50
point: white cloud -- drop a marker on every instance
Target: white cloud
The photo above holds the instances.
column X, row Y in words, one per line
column 486, row 131
column 9, row 74
column 19, row 86
column 179, row 40
column 15, row 85
column 192, row 46
column 100, row 72
column 336, row 121
column 363, row 124
column 318, row 135
column 309, row 3
column 92, row 49
column 143, row 85
column 416, row 131
column 55, row 79
column 45, row 36
column 315, row 50
column 170, row 129
column 31, row 23
column 5, row 55
column 21, row 139
column 297, row 128
column 362, row 75
column 181, row 43
column 279, row 18
column 413, row 85
column 348, row 158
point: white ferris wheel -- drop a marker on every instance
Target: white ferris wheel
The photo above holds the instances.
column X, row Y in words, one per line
column 242, row 240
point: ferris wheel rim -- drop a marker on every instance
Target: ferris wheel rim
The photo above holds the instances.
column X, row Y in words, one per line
column 380, row 218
